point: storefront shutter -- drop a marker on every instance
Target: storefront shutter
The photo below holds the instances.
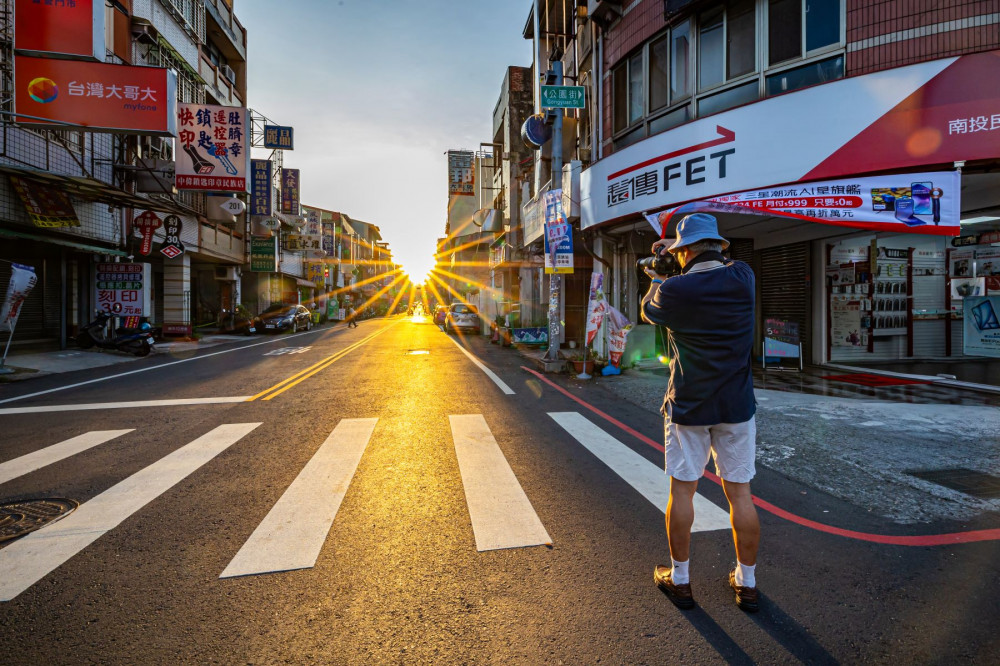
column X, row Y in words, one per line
column 784, row 287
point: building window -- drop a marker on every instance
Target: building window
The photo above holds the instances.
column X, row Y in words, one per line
column 788, row 21
column 741, row 38
column 727, row 43
column 727, row 99
column 659, row 74
column 710, row 49
column 680, row 61
column 628, row 102
column 821, row 71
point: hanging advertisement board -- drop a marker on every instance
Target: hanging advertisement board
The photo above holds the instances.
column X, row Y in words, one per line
column 981, row 324
column 934, row 112
column 123, row 289
column 260, row 187
column 47, row 207
column 263, row 254
column 95, row 96
column 558, row 235
column 211, row 148
column 914, row 203
column 290, row 191
column 278, row 137
column 58, row 28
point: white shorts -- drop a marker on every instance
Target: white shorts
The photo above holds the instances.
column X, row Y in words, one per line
column 733, row 445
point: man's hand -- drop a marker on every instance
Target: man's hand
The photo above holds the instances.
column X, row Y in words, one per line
column 653, row 275
column 660, row 246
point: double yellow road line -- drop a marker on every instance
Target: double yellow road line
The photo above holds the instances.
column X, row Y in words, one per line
column 298, row 377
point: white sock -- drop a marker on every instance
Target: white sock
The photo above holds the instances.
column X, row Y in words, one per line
column 679, row 572
column 745, row 575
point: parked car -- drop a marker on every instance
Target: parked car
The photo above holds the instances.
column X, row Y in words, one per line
column 461, row 316
column 440, row 312
column 282, row 317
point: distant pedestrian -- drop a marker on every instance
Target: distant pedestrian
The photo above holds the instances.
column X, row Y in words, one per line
column 352, row 320
column 709, row 406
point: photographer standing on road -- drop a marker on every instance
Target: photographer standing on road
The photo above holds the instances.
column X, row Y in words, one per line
column 708, row 311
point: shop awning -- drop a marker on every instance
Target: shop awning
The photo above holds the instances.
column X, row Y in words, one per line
column 90, row 189
column 65, row 242
column 305, row 283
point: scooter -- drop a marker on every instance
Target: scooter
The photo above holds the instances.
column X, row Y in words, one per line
column 138, row 341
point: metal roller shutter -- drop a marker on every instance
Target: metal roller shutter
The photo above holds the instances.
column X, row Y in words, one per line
column 783, row 278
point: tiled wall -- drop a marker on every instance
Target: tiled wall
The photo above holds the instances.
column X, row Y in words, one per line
column 642, row 20
column 882, row 34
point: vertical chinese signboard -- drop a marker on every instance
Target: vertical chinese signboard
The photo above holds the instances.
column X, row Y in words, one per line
column 47, row 207
column 123, row 289
column 290, row 191
column 461, row 173
column 260, row 187
column 263, row 254
column 211, row 148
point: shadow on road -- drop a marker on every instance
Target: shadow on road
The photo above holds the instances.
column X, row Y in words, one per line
column 790, row 635
column 717, row 637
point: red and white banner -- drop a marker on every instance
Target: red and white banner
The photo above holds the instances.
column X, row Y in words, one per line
column 22, row 281
column 914, row 203
column 934, row 112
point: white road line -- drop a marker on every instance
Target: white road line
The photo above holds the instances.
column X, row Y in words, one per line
column 28, row 560
column 52, row 454
column 294, row 531
column 646, row 477
column 173, row 402
column 167, row 365
column 502, row 515
column 489, row 373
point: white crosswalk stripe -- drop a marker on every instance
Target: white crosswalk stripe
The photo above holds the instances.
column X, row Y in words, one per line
column 293, row 532
column 649, row 479
column 502, row 515
column 53, row 454
column 28, row 560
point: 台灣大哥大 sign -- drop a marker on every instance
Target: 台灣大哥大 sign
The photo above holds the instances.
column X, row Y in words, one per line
column 123, row 289
column 278, row 137
column 95, row 95
column 562, row 97
column 211, row 148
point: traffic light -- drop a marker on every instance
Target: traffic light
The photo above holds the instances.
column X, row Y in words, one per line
column 326, row 272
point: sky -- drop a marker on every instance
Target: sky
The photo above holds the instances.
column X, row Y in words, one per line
column 378, row 91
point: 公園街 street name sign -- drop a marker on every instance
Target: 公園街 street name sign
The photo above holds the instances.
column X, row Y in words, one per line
column 562, row 97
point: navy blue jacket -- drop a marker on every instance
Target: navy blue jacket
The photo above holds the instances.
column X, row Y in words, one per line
column 709, row 316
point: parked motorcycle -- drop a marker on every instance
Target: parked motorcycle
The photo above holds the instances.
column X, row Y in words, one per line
column 138, row 341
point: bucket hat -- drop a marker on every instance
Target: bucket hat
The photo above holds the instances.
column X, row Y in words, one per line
column 697, row 227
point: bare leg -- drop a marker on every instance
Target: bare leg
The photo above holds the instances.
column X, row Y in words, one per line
column 680, row 517
column 743, row 515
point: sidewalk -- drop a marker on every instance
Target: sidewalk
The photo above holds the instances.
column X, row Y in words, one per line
column 39, row 364
column 859, row 443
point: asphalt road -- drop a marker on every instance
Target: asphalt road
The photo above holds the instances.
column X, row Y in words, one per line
column 397, row 578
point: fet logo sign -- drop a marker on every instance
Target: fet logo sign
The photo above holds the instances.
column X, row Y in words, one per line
column 147, row 224
column 653, row 177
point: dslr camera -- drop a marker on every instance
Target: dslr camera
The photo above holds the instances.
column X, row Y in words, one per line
column 662, row 264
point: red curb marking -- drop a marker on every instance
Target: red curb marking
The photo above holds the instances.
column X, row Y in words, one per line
column 924, row 540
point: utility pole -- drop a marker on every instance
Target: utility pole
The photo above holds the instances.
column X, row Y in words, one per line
column 556, row 279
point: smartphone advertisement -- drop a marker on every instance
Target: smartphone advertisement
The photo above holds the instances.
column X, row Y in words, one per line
column 921, row 203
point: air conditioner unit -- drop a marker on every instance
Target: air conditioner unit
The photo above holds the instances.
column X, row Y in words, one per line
column 227, row 273
column 228, row 72
column 604, row 11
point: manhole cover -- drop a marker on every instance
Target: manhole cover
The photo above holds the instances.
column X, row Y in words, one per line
column 970, row 482
column 19, row 518
column 414, row 352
